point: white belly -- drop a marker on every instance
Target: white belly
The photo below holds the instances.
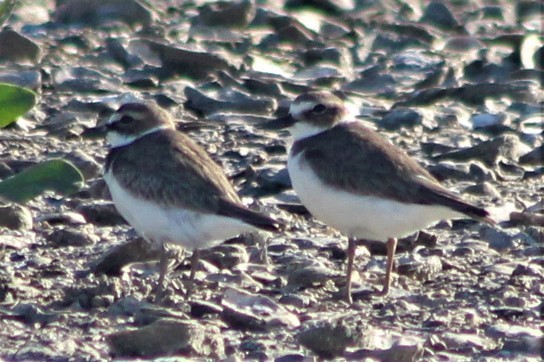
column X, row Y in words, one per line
column 192, row 230
column 364, row 217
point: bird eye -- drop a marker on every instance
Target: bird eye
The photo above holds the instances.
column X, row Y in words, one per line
column 126, row 119
column 319, row 108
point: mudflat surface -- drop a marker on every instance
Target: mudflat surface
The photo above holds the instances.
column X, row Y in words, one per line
column 457, row 84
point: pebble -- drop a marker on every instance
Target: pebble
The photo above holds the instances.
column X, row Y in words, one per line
column 438, row 14
column 72, row 237
column 400, row 118
column 115, row 259
column 15, row 217
column 236, row 14
column 17, row 48
column 328, row 339
column 99, row 12
column 101, row 213
column 24, row 78
column 178, row 61
column 167, row 337
column 226, row 256
column 246, row 311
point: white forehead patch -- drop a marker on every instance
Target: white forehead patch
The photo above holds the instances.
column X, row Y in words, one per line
column 297, row 109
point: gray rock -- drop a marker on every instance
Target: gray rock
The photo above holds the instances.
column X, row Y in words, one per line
column 83, row 79
column 168, row 337
column 489, row 152
column 115, row 259
column 400, row 118
column 501, row 240
column 483, row 189
column 466, row 341
column 397, row 353
column 17, row 48
column 226, row 256
column 483, row 120
column 97, row 12
column 419, row 267
column 237, row 14
column 16, row 217
column 72, row 237
column 200, row 308
column 246, row 311
column 179, row 61
column 527, row 218
column 26, row 78
column 309, row 276
column 235, row 102
column 534, row 157
column 438, row 14
column 329, row 339
column 101, row 213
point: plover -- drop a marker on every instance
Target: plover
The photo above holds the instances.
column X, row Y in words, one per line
column 168, row 188
column 354, row 180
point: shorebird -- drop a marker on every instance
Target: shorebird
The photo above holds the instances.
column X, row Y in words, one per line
column 169, row 189
column 354, row 180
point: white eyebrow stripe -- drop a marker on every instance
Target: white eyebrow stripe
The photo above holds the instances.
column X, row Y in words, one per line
column 298, row 108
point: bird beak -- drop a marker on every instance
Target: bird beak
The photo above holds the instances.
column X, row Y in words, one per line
column 95, row 132
column 279, row 123
column 99, row 131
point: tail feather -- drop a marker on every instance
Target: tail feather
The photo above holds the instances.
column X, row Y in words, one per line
column 248, row 216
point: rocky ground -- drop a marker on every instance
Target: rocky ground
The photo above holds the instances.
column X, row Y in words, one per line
column 457, row 84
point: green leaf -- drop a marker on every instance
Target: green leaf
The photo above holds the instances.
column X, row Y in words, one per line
column 6, row 7
column 14, row 102
column 55, row 175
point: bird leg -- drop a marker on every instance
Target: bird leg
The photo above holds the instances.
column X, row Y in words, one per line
column 391, row 248
column 352, row 244
column 163, row 270
column 194, row 264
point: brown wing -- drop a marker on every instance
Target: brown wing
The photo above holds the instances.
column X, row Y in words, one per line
column 376, row 168
column 177, row 172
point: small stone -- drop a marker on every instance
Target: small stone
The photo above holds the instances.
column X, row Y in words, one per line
column 234, row 102
column 235, row 14
column 101, row 213
column 243, row 310
column 420, row 268
column 482, row 120
column 201, row 308
column 507, row 147
column 115, row 259
column 329, row 339
column 502, row 239
column 72, row 237
column 166, row 337
column 400, row 118
column 527, row 218
column 226, row 256
column 438, row 14
column 97, row 12
column 17, row 48
column 483, row 189
column 15, row 217
column 534, row 157
column 181, row 61
column 25, row 78
column 309, row 276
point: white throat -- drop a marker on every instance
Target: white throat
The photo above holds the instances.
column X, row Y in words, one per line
column 301, row 130
column 116, row 139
